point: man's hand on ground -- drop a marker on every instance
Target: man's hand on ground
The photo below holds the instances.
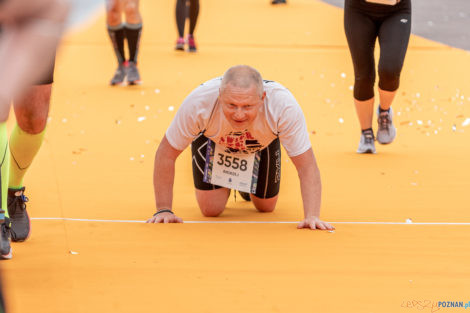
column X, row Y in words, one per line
column 165, row 217
column 314, row 223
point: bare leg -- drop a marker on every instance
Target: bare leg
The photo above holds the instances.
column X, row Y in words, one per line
column 131, row 10
column 386, row 98
column 31, row 34
column 27, row 136
column 33, row 108
column 113, row 12
column 212, row 202
column 264, row 205
column 365, row 112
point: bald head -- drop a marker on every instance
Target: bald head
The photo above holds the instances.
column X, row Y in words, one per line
column 243, row 77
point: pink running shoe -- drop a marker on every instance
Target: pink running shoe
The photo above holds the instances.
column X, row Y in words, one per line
column 191, row 44
column 180, row 44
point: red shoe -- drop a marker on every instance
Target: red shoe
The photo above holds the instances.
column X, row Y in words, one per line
column 191, row 44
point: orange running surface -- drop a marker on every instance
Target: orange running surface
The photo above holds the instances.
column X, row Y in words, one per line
column 96, row 164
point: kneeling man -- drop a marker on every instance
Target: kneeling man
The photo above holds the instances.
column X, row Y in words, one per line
column 235, row 125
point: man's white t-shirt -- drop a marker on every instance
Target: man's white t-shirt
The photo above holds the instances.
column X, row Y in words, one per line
column 280, row 117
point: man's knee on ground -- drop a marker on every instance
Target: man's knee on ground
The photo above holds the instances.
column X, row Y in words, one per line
column 265, row 208
column 209, row 209
column 264, row 205
column 212, row 202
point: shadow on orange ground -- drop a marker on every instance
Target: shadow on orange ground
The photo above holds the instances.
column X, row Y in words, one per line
column 97, row 160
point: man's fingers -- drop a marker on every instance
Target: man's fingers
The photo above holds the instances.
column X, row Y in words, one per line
column 165, row 218
column 312, row 225
column 301, row 225
column 321, row 226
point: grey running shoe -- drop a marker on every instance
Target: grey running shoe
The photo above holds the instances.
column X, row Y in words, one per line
column 366, row 145
column 20, row 224
column 386, row 132
column 133, row 76
column 119, row 75
column 245, row 195
column 5, row 248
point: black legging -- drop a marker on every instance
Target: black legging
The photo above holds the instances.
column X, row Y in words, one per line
column 182, row 13
column 363, row 23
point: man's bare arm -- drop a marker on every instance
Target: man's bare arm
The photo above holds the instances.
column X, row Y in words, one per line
column 310, row 186
column 163, row 180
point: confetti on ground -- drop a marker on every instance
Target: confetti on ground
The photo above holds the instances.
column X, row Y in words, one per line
column 141, row 118
column 171, row 108
column 157, row 90
column 73, row 252
column 341, row 121
column 409, row 221
column 466, row 122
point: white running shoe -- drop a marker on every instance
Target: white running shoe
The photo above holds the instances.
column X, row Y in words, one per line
column 366, row 144
column 386, row 132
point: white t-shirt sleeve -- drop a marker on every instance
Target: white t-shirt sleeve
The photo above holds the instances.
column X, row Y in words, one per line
column 292, row 128
column 189, row 121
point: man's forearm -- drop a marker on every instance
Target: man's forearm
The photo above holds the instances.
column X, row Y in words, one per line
column 310, row 182
column 163, row 181
column 164, row 174
column 310, row 186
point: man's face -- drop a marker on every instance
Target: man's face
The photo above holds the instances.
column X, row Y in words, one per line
column 240, row 105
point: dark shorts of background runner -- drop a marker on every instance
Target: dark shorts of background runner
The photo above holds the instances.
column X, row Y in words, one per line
column 269, row 175
column 364, row 22
column 47, row 78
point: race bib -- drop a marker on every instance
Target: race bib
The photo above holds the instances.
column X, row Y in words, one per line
column 234, row 171
column 387, row 2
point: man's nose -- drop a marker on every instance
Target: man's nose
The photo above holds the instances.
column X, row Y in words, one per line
column 239, row 112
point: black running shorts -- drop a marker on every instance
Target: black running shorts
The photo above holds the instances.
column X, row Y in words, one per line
column 269, row 175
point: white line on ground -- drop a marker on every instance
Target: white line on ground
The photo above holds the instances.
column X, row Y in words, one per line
column 236, row 222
